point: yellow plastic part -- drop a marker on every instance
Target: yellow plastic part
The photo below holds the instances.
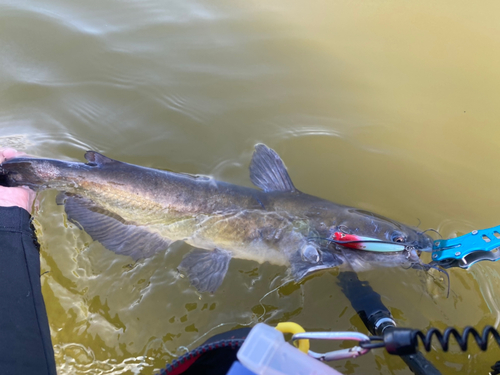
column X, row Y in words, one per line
column 293, row 328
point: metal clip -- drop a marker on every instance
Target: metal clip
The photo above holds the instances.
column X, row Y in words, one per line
column 353, row 352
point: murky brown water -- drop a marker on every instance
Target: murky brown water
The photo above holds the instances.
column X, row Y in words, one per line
column 389, row 106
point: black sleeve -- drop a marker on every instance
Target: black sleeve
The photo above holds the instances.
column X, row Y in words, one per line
column 25, row 345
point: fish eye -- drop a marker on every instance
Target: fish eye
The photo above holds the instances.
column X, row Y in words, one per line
column 310, row 254
column 398, row 237
column 344, row 229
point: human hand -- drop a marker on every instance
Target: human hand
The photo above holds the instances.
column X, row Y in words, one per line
column 15, row 196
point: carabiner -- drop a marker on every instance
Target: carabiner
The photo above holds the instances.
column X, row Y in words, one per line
column 353, row 352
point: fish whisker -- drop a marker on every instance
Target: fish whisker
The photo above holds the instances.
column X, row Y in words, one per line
column 427, row 266
column 431, row 230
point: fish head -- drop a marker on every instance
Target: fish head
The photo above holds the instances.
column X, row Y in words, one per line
column 362, row 239
column 20, row 172
column 38, row 174
column 311, row 257
column 375, row 228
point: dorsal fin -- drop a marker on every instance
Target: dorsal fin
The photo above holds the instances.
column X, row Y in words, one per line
column 268, row 172
column 95, row 158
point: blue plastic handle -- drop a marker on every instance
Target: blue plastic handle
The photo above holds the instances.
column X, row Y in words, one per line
column 468, row 249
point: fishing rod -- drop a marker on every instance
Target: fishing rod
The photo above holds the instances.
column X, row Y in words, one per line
column 377, row 318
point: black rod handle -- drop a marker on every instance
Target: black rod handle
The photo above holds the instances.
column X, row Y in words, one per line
column 377, row 317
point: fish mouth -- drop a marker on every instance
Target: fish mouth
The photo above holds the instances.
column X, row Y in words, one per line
column 301, row 269
column 313, row 270
column 425, row 245
column 422, row 244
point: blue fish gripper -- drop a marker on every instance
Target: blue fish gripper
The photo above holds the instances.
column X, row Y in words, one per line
column 464, row 251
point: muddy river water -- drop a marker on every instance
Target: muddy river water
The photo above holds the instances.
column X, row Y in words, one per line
column 389, row 106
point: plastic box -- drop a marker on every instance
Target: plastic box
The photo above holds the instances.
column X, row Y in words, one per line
column 265, row 352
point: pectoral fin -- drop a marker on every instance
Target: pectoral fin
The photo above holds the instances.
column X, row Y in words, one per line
column 110, row 229
column 206, row 269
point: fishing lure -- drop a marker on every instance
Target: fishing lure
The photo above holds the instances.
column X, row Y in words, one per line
column 353, row 241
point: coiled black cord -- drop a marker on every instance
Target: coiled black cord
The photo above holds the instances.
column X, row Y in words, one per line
column 403, row 341
column 461, row 339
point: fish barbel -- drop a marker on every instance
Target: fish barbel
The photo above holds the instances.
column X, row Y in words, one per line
column 138, row 211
